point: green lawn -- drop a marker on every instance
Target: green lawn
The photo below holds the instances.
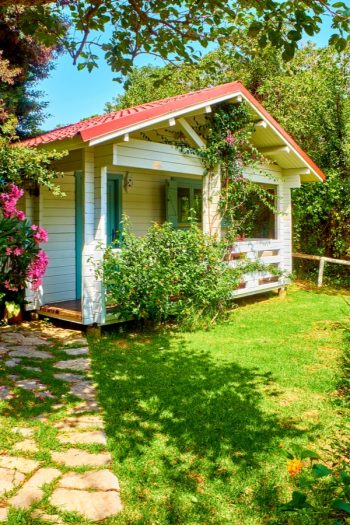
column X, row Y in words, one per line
column 199, row 423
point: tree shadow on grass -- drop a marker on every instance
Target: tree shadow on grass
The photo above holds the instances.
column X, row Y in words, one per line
column 158, row 388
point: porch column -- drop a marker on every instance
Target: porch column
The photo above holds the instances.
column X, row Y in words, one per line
column 284, row 219
column 89, row 295
column 211, row 198
column 100, row 237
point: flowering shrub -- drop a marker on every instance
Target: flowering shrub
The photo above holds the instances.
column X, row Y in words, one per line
column 22, row 260
column 173, row 273
column 325, row 490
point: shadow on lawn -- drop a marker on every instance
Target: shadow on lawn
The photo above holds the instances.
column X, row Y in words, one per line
column 155, row 387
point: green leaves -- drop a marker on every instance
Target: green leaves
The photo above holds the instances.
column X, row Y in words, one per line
column 342, row 505
column 320, row 470
column 297, row 502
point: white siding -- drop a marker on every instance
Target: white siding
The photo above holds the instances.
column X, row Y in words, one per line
column 57, row 215
column 144, row 203
column 155, row 156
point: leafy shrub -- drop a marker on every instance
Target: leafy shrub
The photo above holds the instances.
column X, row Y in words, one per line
column 325, row 490
column 171, row 273
column 22, row 260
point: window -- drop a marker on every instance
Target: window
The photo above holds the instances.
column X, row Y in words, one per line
column 264, row 226
column 183, row 197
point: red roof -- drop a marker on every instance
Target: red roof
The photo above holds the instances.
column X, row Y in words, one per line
column 118, row 120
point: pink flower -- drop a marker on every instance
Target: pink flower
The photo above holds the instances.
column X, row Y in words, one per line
column 40, row 234
column 37, row 269
column 8, row 201
column 10, row 287
column 17, row 251
column 230, row 139
column 20, row 215
column 8, row 251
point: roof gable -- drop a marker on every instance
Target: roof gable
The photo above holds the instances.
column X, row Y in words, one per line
column 105, row 127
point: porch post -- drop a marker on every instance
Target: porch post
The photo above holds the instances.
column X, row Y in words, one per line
column 88, row 294
column 211, row 198
column 100, row 237
column 284, row 219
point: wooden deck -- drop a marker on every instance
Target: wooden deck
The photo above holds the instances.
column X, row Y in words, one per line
column 66, row 310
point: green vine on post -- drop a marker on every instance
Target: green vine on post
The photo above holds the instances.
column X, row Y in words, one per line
column 229, row 146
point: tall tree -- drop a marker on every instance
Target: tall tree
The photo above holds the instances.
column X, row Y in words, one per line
column 309, row 96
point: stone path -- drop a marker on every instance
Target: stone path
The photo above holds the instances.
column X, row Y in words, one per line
column 47, row 390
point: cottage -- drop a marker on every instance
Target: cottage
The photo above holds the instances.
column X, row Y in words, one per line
column 120, row 163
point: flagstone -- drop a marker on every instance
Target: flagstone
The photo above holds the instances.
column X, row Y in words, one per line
column 9, row 479
column 3, row 513
column 5, row 393
column 85, row 390
column 80, row 422
column 76, row 351
column 51, row 518
column 31, row 490
column 82, row 438
column 74, row 457
column 91, row 505
column 11, row 363
column 32, row 368
column 80, row 364
column 29, row 352
column 68, row 377
column 27, row 445
column 93, row 480
column 23, row 431
column 24, row 465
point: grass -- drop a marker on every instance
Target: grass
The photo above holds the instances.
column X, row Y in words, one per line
column 200, row 423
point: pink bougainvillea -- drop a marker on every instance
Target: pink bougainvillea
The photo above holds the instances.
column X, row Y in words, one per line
column 22, row 260
column 9, row 199
column 37, row 269
column 40, row 234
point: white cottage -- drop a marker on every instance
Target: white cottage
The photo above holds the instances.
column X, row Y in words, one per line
column 119, row 164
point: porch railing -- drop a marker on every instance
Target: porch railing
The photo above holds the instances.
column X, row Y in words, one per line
column 265, row 251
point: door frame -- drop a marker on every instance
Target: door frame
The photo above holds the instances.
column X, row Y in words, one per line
column 117, row 180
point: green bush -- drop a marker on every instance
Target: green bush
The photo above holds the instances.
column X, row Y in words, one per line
column 170, row 273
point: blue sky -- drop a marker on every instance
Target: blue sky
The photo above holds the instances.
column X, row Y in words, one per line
column 73, row 95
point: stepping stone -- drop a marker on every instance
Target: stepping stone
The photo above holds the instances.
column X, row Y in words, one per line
column 85, row 390
column 31, row 490
column 96, row 480
column 27, row 445
column 3, row 350
column 21, row 464
column 9, row 479
column 32, row 368
column 74, row 457
column 11, row 363
column 25, row 432
column 29, row 384
column 76, row 351
column 3, row 513
column 51, row 518
column 76, row 341
column 37, row 341
column 81, row 364
column 83, row 438
column 80, row 422
column 5, row 393
column 13, row 338
column 31, row 353
column 88, row 406
column 94, row 506
column 68, row 377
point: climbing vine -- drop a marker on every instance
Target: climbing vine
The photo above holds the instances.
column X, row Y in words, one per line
column 229, row 147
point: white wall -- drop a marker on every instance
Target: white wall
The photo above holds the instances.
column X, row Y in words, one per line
column 57, row 215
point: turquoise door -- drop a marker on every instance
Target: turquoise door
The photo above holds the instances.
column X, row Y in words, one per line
column 114, row 208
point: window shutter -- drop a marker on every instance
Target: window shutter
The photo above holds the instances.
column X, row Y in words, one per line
column 171, row 202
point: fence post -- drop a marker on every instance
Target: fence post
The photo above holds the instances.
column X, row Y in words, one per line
column 320, row 272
